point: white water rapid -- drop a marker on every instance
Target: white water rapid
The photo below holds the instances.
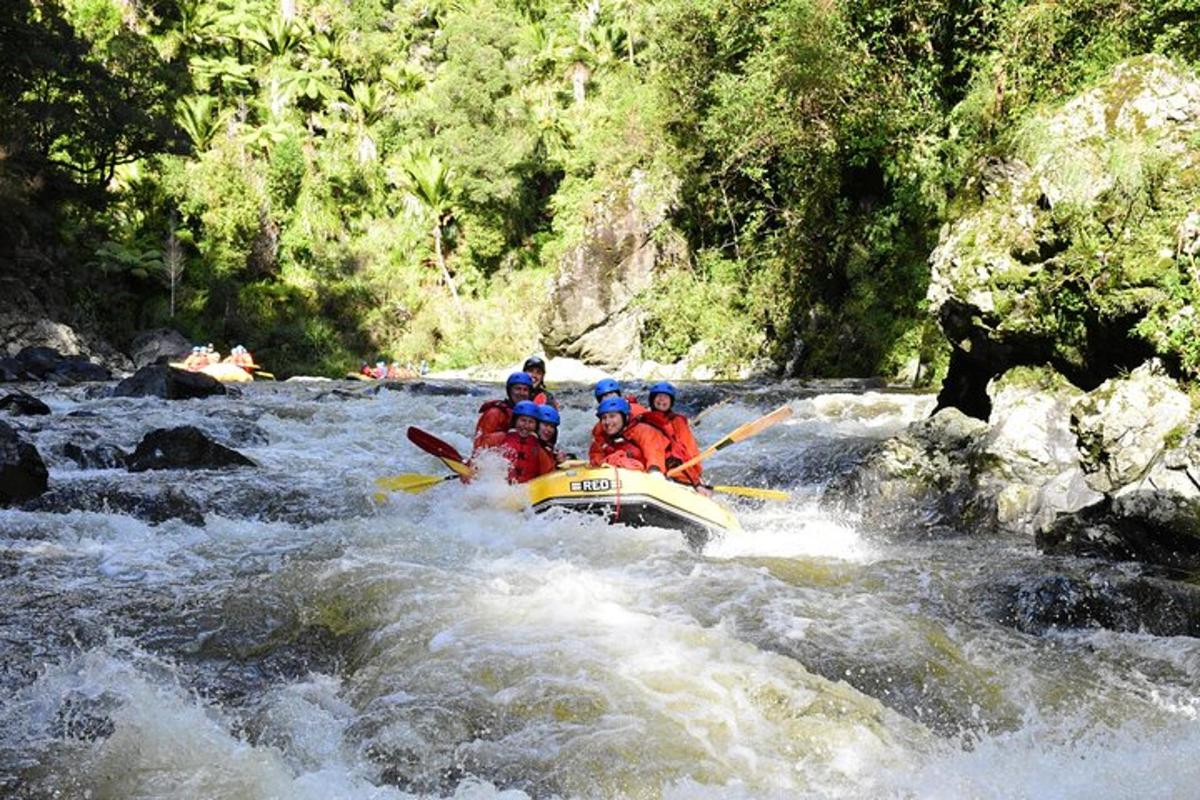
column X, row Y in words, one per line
column 304, row 643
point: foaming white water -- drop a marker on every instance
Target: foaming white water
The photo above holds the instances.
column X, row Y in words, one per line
column 1079, row 761
column 161, row 742
column 451, row 642
column 591, row 675
column 790, row 530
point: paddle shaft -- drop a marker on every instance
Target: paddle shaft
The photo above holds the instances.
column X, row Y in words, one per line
column 741, row 433
column 752, row 491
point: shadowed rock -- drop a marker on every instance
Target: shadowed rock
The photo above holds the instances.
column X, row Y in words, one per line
column 20, row 404
column 22, row 472
column 185, row 447
column 154, row 508
column 105, row 456
column 150, row 347
column 1105, row 599
column 159, row 380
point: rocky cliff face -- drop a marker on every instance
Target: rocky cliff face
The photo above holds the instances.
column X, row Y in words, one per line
column 1114, row 472
column 590, row 315
column 1082, row 249
column 26, row 321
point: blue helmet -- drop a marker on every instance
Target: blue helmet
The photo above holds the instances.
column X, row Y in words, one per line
column 525, row 408
column 548, row 413
column 519, row 378
column 619, row 404
column 662, row 388
column 604, row 386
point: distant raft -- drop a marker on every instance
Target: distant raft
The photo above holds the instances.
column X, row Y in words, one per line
column 634, row 498
column 225, row 373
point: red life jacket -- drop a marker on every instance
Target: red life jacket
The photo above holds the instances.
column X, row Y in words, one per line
column 681, row 443
column 636, row 447
column 544, row 398
column 527, row 457
column 495, row 416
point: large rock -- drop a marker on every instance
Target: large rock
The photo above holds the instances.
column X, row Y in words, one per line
column 924, row 480
column 1161, row 528
column 22, row 404
column 1139, row 441
column 1106, row 598
column 1016, row 473
column 169, row 383
column 1123, row 425
column 589, row 314
column 1030, row 460
column 148, row 347
column 27, row 321
column 45, row 363
column 154, row 507
column 185, row 447
column 1072, row 251
column 23, row 474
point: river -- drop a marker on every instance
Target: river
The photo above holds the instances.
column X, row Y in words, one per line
column 304, row 643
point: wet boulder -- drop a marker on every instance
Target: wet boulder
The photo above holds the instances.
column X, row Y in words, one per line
column 169, row 383
column 1031, row 462
column 46, row 363
column 1155, row 527
column 23, row 474
column 104, row 456
column 923, row 480
column 158, row 345
column 154, row 507
column 185, row 447
column 1104, row 598
column 21, row 404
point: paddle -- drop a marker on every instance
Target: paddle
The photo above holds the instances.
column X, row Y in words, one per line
column 413, row 482
column 751, row 491
column 436, row 447
column 743, row 432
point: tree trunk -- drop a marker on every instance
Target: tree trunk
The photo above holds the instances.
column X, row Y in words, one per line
column 579, row 78
column 441, row 259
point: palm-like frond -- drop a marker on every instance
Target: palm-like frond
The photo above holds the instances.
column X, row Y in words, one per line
column 199, row 117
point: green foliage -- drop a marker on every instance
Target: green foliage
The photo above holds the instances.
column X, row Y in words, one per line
column 329, row 172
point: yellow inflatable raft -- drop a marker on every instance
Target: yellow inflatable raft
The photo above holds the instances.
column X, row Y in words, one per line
column 225, row 373
column 634, row 498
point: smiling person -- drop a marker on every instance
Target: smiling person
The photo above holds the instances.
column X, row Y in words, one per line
column 495, row 416
column 619, row 442
column 526, row 455
column 535, row 367
column 548, row 422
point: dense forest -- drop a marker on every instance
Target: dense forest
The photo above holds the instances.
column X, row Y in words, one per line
column 328, row 179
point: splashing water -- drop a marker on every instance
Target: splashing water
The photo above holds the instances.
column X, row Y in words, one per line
column 305, row 643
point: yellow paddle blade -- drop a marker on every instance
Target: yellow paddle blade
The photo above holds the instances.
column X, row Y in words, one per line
column 751, row 491
column 459, row 467
column 409, row 482
column 264, row 374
